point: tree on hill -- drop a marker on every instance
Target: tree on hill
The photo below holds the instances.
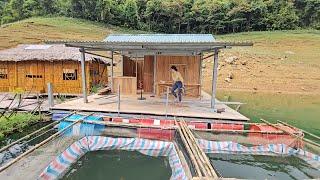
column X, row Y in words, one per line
column 176, row 16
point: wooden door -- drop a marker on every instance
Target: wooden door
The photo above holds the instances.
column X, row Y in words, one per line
column 148, row 69
column 140, row 69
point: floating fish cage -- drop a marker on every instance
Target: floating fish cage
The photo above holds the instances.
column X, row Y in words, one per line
column 229, row 147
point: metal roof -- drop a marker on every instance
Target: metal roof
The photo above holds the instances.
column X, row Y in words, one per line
column 160, row 38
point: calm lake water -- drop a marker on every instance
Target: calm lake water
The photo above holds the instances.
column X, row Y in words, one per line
column 262, row 167
column 119, row 165
column 302, row 111
column 133, row 165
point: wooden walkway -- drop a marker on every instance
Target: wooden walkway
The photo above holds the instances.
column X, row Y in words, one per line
column 25, row 105
column 190, row 108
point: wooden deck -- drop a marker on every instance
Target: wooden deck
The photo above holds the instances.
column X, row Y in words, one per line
column 25, row 105
column 190, row 108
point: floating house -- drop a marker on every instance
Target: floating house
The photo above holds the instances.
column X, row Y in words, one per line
column 30, row 67
column 145, row 66
column 152, row 68
column 186, row 135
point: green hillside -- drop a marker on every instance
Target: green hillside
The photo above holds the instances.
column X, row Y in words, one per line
column 36, row 30
column 280, row 79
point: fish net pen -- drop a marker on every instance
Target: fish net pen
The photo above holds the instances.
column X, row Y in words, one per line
column 231, row 150
column 262, row 155
column 77, row 138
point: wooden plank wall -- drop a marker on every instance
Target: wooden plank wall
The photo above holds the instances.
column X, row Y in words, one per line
column 5, row 83
column 190, row 72
column 129, row 67
column 128, row 85
column 148, row 74
column 44, row 72
column 98, row 74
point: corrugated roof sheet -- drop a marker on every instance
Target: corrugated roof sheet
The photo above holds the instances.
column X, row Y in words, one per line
column 161, row 38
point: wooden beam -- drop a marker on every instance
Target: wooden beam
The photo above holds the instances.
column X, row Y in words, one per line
column 208, row 56
column 304, row 131
column 214, row 78
column 83, row 76
column 111, row 82
column 293, row 135
column 154, row 73
column 35, row 132
column 57, row 134
column 95, row 54
column 200, row 76
column 208, row 169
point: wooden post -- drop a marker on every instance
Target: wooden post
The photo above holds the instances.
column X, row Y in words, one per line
column 214, row 79
column 50, row 95
column 167, row 101
column 122, row 68
column 39, row 105
column 119, row 99
column 111, row 82
column 200, row 75
column 83, row 76
column 154, row 73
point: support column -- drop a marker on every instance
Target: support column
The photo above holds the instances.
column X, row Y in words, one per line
column 200, row 75
column 154, row 73
column 122, row 65
column 214, row 78
column 50, row 95
column 83, row 77
column 111, row 82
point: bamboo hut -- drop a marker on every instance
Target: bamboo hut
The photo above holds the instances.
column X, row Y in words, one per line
column 30, row 67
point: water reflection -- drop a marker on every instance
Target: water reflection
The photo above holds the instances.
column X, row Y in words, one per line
column 262, row 167
column 119, row 165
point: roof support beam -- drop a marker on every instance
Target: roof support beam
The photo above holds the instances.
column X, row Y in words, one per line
column 91, row 53
column 83, row 76
column 111, row 82
column 214, row 79
column 208, row 56
column 154, row 74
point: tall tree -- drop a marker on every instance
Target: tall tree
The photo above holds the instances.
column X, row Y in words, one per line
column 131, row 13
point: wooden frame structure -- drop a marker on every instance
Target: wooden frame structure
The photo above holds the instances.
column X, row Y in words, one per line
column 158, row 45
column 31, row 67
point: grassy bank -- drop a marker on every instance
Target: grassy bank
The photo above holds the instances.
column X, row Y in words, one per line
column 280, row 78
column 39, row 29
column 16, row 123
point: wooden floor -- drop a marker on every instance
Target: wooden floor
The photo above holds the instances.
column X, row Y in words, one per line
column 6, row 101
column 190, row 108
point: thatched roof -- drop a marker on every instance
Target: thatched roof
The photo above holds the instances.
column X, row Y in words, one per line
column 45, row 52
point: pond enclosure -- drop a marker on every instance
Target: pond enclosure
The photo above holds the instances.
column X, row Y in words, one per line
column 192, row 140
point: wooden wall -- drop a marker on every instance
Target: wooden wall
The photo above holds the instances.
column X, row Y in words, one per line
column 188, row 66
column 98, row 74
column 148, row 74
column 128, row 85
column 129, row 67
column 34, row 76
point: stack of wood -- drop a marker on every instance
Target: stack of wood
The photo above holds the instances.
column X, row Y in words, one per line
column 104, row 91
column 200, row 161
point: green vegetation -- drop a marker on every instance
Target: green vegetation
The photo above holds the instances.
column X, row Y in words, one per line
column 271, row 68
column 172, row 16
column 16, row 122
column 303, row 43
column 38, row 29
